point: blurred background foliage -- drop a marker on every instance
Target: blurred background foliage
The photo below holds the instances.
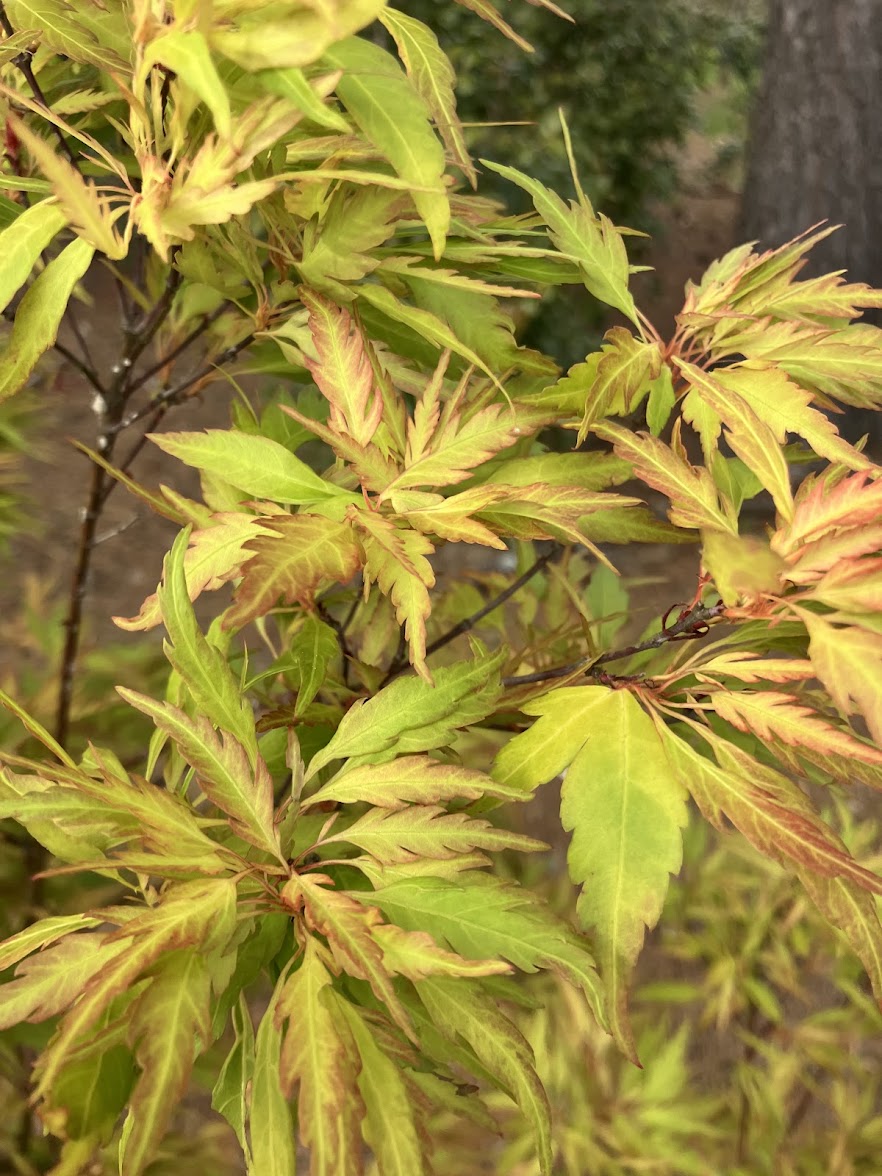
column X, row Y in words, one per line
column 633, row 78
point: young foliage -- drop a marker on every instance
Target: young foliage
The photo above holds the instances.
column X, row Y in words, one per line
column 310, row 808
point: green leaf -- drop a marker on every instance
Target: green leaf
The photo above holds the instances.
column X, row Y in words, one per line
column 593, row 242
column 229, row 1095
column 430, row 71
column 202, row 667
column 400, row 835
column 482, row 916
column 271, row 1129
column 311, row 652
column 40, row 313
column 189, row 914
column 460, row 1009
column 625, row 808
column 240, row 787
column 187, row 54
column 41, row 934
column 390, row 1129
column 291, row 83
column 22, row 243
column 89, row 34
column 391, row 114
column 413, row 779
column 318, row 1060
column 409, row 715
column 255, row 464
column 170, row 1024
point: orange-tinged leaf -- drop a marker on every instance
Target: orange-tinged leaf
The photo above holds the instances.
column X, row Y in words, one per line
column 348, row 927
column 401, row 835
column 41, row 934
column 224, row 771
column 343, row 370
column 693, row 496
column 395, row 559
column 290, row 559
column 786, row 408
column 189, row 914
column 851, row 502
column 854, row 586
column 48, row 982
column 752, row 667
column 854, row 913
column 809, row 562
column 772, row 716
column 319, row 1062
column 170, row 1024
column 750, row 437
column 412, row 779
column 770, row 810
column 416, row 955
column 214, row 557
column 459, row 448
column 848, row 660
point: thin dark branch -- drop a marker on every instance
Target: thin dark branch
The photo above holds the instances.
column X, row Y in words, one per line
column 172, row 395
column 23, row 62
column 73, row 621
column 690, row 625
column 78, row 335
column 142, row 377
column 469, row 622
column 139, row 338
column 83, row 368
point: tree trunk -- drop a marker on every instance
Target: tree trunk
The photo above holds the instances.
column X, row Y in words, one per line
column 816, row 138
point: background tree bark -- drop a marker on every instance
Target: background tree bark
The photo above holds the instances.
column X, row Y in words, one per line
column 815, row 150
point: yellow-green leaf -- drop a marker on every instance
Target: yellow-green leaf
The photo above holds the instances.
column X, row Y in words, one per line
column 39, row 315
column 22, row 243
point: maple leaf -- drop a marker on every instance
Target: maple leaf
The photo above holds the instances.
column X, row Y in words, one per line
column 769, row 809
column 318, row 1061
column 348, row 927
column 343, row 369
column 460, row 1009
column 395, row 558
column 822, row 506
column 242, row 790
column 416, row 955
column 773, row 716
column 288, row 562
column 624, row 372
column 750, row 437
column 848, row 660
column 693, row 496
column 786, row 408
column 852, row 585
column 215, row 556
column 457, row 448
column 400, row 835
column 412, row 779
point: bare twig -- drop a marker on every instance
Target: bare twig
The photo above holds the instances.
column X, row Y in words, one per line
column 691, row 624
column 142, row 377
column 176, row 393
column 469, row 622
